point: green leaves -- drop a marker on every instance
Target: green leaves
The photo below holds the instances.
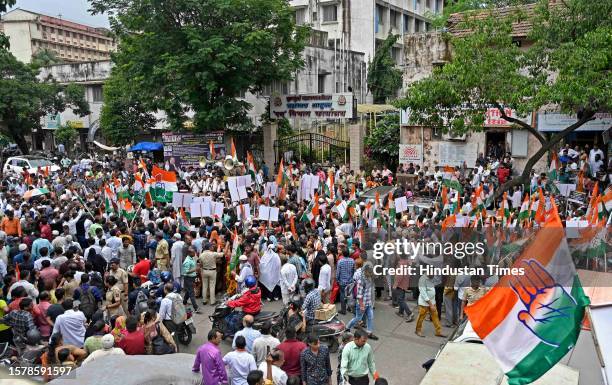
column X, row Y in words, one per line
column 565, row 61
column 384, row 79
column 24, row 100
column 189, row 54
column 382, row 142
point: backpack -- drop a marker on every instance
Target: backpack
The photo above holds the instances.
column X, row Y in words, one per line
column 178, row 312
column 88, row 303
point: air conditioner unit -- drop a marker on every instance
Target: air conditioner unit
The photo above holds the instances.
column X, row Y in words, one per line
column 450, row 136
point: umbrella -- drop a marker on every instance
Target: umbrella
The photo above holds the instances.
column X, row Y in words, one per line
column 35, row 192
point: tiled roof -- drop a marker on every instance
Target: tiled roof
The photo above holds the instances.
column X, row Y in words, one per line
column 519, row 29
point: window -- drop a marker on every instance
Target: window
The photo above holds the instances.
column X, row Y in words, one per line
column 300, row 16
column 314, row 17
column 393, row 19
column 330, row 13
column 52, row 30
column 321, row 84
column 60, row 32
column 406, row 23
column 98, row 94
column 417, row 24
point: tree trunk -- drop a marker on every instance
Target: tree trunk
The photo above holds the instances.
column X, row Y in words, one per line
column 524, row 177
column 20, row 142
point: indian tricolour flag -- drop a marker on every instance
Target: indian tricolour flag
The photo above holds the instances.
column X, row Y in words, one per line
column 524, row 211
column 530, row 322
column 312, row 211
column 164, row 186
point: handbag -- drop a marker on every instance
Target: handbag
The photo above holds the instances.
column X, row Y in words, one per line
column 159, row 344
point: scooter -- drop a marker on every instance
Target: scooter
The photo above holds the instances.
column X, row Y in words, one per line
column 222, row 311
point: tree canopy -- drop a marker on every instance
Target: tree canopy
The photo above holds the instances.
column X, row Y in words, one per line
column 24, row 100
column 4, row 4
column 123, row 113
column 382, row 142
column 565, row 65
column 186, row 55
column 384, row 79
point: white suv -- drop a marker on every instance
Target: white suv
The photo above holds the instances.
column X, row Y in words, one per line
column 16, row 164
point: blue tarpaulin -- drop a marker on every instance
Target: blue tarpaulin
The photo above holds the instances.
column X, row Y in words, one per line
column 147, row 146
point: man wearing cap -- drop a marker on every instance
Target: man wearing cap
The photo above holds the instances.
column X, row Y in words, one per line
column 208, row 260
column 176, row 257
column 245, row 271
column 108, row 349
column 58, row 240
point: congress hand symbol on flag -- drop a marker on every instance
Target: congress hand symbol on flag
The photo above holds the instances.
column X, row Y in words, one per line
column 545, row 301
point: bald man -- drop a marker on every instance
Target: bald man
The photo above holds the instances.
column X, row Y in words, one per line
column 248, row 333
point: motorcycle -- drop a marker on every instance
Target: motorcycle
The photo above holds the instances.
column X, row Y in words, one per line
column 223, row 312
column 328, row 331
column 186, row 330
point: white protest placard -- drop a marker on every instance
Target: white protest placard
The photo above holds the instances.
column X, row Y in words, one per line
column 268, row 214
column 232, row 186
column 181, row 199
column 245, row 180
column 242, row 193
column 243, row 212
column 401, row 205
column 264, row 213
column 216, row 209
column 270, row 190
column 200, row 208
column 566, row 188
column 195, row 210
column 274, row 211
column 572, row 228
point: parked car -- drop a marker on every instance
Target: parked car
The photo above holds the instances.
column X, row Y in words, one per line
column 16, row 164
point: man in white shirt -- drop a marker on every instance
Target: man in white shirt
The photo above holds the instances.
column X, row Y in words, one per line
column 279, row 377
column 71, row 324
column 240, row 362
column 324, row 279
column 288, row 281
column 263, row 342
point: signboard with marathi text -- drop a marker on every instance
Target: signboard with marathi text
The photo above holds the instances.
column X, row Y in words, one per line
column 188, row 149
column 315, row 106
column 493, row 117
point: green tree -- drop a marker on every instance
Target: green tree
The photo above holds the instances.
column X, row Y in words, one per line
column 192, row 54
column 123, row 114
column 384, row 79
column 567, row 66
column 4, row 4
column 66, row 134
column 44, row 57
column 24, row 100
column 382, row 142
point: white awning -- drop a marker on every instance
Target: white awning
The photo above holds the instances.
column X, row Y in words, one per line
column 105, row 147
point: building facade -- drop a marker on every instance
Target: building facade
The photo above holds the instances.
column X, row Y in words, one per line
column 314, row 78
column 425, row 51
column 29, row 32
column 361, row 25
column 325, row 71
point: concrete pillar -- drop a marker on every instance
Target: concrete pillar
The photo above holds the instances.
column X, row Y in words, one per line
column 269, row 136
column 356, row 136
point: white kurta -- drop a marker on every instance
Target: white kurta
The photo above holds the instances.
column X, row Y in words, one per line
column 269, row 269
column 176, row 258
column 289, row 278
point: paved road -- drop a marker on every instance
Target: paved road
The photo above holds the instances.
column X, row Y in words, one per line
column 399, row 353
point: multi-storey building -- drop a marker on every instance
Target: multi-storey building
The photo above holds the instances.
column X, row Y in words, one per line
column 361, row 25
column 72, row 42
